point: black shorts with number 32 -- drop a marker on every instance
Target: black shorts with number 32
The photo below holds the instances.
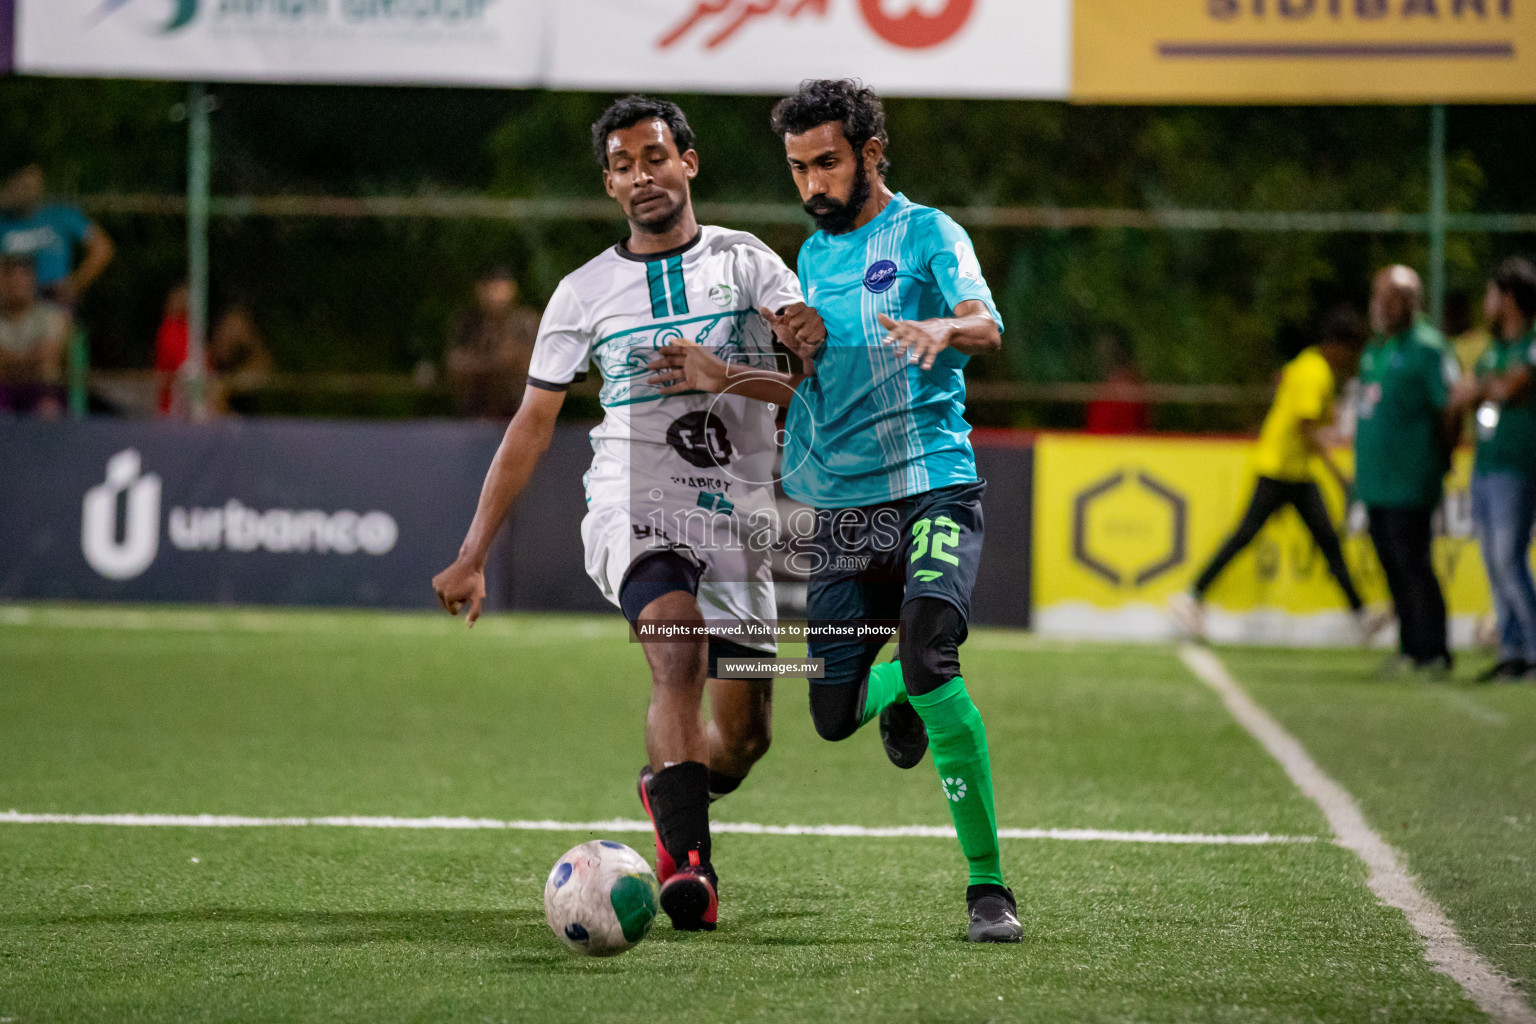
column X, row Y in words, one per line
column 869, row 561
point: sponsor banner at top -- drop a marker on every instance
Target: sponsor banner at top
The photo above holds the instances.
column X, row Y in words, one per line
column 1217, row 51
column 903, row 47
column 1007, row 48
column 1267, row 51
column 469, row 42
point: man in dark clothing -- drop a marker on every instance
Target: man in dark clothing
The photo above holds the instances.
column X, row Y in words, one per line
column 1406, row 429
column 489, row 348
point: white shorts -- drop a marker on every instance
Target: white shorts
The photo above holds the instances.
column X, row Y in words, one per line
column 736, row 581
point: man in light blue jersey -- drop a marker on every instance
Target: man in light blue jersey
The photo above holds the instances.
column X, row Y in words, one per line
column 879, row 446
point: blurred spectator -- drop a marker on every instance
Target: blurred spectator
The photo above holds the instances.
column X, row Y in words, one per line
column 50, row 233
column 1295, row 435
column 1468, row 338
column 490, row 347
column 33, row 336
column 1403, row 439
column 238, row 356
column 171, row 352
column 1504, row 480
column 1118, row 407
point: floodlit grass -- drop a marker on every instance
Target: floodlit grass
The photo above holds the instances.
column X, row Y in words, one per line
column 1446, row 772
column 299, row 714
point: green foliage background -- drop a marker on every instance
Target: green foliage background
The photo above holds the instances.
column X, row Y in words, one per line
column 377, row 294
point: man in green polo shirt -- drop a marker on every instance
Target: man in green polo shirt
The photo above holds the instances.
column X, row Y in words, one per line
column 1504, row 481
column 1402, row 444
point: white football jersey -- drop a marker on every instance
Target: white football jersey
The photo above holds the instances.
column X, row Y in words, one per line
column 617, row 311
column 691, row 473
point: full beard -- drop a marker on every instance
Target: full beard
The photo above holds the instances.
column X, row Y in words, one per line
column 836, row 217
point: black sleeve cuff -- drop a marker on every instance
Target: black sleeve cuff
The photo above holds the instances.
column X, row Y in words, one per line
column 546, row 385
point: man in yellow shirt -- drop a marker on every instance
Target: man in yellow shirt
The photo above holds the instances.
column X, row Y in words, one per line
column 1288, row 442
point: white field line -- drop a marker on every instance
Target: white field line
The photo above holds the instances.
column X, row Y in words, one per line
column 635, row 825
column 1386, row 875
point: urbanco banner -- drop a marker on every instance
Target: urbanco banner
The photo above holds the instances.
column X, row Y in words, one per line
column 1004, row 48
column 457, row 42
column 276, row 512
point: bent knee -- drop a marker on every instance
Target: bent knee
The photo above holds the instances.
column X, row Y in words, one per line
column 932, row 631
column 748, row 744
column 834, row 729
column 835, row 710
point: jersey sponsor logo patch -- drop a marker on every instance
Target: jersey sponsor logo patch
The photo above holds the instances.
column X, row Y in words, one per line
column 700, row 438
column 880, row 276
column 967, row 267
column 721, row 295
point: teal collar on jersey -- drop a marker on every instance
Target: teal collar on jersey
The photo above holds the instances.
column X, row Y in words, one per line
column 858, row 235
column 651, row 257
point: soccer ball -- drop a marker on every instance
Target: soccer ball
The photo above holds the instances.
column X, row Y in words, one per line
column 601, row 898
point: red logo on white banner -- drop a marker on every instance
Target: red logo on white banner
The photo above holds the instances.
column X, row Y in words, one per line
column 722, row 20
column 916, row 30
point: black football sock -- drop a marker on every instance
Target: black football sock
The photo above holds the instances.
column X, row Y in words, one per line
column 680, row 799
column 722, row 785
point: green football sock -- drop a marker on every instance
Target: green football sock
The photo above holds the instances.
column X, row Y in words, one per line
column 958, row 740
column 884, row 688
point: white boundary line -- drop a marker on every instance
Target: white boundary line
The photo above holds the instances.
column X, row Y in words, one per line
column 633, row 825
column 1386, row 875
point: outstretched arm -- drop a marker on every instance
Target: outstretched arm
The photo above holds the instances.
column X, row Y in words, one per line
column 526, row 439
column 1510, row 386
column 971, row 331
column 1314, row 436
column 685, row 366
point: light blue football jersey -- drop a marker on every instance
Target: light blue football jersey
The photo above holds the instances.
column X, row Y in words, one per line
column 871, row 427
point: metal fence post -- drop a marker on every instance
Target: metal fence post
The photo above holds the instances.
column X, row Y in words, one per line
column 1437, row 214
column 199, row 163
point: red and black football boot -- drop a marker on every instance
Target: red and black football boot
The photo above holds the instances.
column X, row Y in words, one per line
column 665, row 866
column 689, row 897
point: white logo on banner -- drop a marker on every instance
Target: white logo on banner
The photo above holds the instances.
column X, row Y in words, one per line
column 231, row 526
column 474, row 42
column 127, row 558
column 278, row 530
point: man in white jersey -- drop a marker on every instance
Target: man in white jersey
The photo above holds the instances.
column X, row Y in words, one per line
column 680, row 494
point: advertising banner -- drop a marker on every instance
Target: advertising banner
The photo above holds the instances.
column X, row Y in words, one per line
column 300, row 512
column 1203, row 51
column 900, row 47
column 462, row 42
column 1121, row 525
column 1285, row 51
column 275, row 512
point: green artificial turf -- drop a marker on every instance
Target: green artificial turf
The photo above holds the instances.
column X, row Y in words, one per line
column 1446, row 772
column 311, row 714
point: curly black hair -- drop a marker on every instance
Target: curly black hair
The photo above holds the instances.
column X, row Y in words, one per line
column 1343, row 325
column 1517, row 277
column 631, row 110
column 848, row 101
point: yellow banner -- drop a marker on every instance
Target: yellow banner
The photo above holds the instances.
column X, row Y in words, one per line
column 1267, row 51
column 1121, row 525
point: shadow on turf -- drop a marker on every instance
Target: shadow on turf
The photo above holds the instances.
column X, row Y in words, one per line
column 497, row 927
column 508, row 930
